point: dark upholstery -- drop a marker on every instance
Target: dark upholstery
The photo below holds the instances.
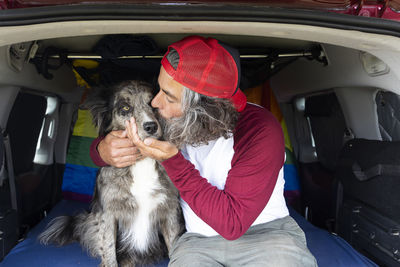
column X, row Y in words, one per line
column 328, row 127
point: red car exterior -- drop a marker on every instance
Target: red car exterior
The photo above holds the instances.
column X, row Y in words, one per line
column 385, row 9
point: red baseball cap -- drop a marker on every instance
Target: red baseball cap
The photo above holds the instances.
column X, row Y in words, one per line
column 207, row 67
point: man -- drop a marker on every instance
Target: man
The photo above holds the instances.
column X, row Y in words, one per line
column 224, row 156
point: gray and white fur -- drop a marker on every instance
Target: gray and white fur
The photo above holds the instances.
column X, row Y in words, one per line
column 135, row 213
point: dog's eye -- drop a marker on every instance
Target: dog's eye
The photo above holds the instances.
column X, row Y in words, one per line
column 126, row 108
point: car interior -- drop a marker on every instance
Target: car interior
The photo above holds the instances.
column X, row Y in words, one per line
column 335, row 92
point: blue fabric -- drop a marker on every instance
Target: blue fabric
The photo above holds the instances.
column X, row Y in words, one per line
column 79, row 179
column 31, row 253
column 291, row 177
column 328, row 249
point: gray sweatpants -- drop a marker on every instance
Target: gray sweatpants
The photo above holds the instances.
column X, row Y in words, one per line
column 277, row 243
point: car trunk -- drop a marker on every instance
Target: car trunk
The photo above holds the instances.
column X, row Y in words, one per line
column 319, row 73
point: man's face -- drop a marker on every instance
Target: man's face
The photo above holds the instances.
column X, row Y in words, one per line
column 169, row 98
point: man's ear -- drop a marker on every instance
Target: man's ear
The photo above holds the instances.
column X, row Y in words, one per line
column 99, row 103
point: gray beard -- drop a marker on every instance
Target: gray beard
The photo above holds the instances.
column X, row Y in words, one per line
column 170, row 128
column 201, row 124
column 177, row 132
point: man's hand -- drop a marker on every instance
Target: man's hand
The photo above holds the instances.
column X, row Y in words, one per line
column 117, row 150
column 150, row 147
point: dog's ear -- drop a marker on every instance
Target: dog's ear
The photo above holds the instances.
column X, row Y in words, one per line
column 99, row 103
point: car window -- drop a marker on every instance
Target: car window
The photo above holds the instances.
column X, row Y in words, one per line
column 388, row 109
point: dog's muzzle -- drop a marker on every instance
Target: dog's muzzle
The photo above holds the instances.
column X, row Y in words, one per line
column 150, row 127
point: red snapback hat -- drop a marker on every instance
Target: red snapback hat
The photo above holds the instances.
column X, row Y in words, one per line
column 207, row 67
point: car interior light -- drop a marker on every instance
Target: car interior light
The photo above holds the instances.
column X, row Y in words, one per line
column 373, row 65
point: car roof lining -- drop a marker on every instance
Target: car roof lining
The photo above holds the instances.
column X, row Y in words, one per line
column 236, row 33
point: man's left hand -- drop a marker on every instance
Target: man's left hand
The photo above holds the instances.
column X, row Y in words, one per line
column 150, row 147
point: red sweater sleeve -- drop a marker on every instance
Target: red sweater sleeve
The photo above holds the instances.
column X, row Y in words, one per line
column 94, row 154
column 259, row 156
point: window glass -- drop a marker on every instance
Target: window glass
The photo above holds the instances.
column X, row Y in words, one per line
column 388, row 109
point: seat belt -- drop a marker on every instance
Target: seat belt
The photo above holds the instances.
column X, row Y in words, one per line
column 10, row 170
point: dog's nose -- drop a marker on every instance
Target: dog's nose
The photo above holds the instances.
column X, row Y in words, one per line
column 150, row 127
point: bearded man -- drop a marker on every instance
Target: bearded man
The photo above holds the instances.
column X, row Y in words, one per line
column 225, row 156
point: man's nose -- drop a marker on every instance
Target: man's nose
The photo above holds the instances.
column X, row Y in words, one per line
column 155, row 103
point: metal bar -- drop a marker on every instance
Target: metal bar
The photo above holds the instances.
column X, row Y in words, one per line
column 93, row 56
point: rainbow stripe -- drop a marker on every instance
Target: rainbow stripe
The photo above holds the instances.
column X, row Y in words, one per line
column 264, row 96
column 80, row 172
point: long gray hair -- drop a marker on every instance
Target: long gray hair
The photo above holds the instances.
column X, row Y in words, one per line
column 204, row 118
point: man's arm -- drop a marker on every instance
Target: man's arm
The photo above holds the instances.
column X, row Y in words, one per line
column 115, row 149
column 249, row 185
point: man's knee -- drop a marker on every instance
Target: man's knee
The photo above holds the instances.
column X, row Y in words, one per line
column 184, row 255
column 193, row 250
column 280, row 243
column 287, row 250
column 192, row 260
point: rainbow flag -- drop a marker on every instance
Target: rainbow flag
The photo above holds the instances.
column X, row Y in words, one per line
column 80, row 172
column 264, row 96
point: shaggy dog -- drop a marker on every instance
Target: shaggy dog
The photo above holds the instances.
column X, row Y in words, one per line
column 135, row 210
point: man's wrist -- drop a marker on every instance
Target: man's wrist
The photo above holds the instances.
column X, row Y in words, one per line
column 94, row 153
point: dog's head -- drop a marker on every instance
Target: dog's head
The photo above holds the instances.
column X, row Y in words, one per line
column 111, row 107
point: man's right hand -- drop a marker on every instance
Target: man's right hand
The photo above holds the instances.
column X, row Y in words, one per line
column 117, row 150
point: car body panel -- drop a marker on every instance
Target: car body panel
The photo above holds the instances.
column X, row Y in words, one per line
column 388, row 9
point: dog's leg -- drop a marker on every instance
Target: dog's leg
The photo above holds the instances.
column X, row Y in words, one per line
column 172, row 228
column 107, row 240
